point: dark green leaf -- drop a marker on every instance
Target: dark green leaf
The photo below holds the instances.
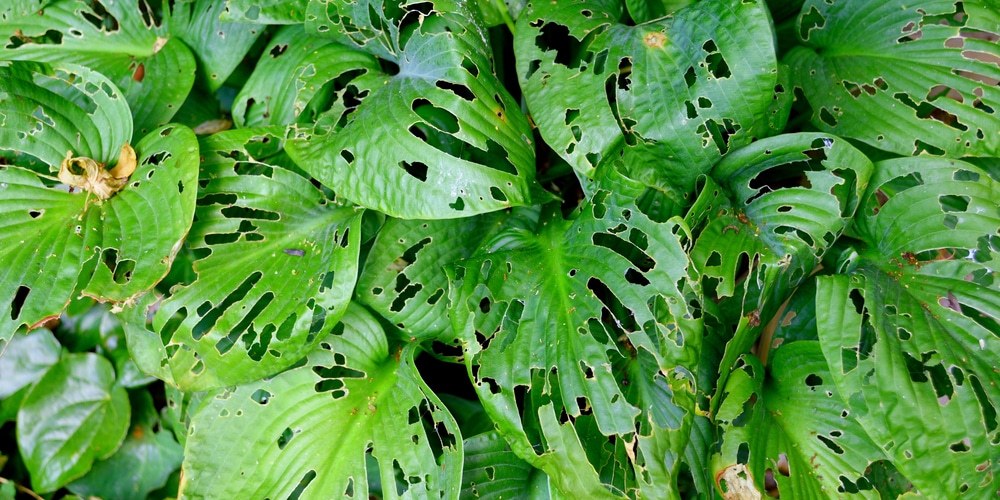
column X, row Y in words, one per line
column 907, row 77
column 493, row 472
column 271, row 438
column 218, row 46
column 74, row 415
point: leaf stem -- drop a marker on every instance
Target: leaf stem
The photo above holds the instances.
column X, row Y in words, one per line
column 20, row 488
column 505, row 13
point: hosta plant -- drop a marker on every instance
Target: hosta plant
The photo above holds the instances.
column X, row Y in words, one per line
column 726, row 249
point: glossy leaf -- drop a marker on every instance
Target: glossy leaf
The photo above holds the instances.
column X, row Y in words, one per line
column 26, row 360
column 74, row 414
column 141, row 465
column 280, row 260
column 456, row 145
column 529, row 308
column 492, row 471
column 114, row 249
column 670, row 96
column 271, row 438
column 265, row 11
column 918, row 77
column 910, row 333
column 218, row 46
column 117, row 38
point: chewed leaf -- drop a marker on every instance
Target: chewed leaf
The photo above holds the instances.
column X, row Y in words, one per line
column 279, row 262
column 457, row 144
column 154, row 71
column 219, row 46
column 556, row 315
column 913, row 328
column 88, row 175
column 671, row 96
column 919, row 78
column 271, row 438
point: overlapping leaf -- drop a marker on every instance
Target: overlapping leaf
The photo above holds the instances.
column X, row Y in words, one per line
column 672, row 96
column 59, row 241
column 73, row 415
column 272, row 438
column 560, row 314
column 907, row 77
column 791, row 427
column 443, row 138
column 911, row 334
column 218, row 46
column 280, row 262
column 119, row 39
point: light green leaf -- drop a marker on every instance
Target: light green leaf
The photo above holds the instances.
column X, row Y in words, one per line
column 911, row 334
column 560, row 312
column 457, row 143
column 142, row 464
column 671, row 96
column 404, row 278
column 218, row 46
column 117, row 38
column 27, row 358
column 114, row 249
column 74, row 415
column 271, row 438
column 492, row 471
column 297, row 77
column 279, row 262
column 265, row 11
column 907, row 77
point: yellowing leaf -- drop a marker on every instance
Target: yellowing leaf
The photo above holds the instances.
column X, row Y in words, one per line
column 85, row 173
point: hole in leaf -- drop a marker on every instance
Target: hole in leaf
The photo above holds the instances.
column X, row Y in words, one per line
column 212, row 316
column 303, row 484
column 416, row 169
column 261, row 397
column 458, row 89
column 285, row 438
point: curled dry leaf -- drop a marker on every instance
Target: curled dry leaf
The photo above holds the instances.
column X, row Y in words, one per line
column 85, row 173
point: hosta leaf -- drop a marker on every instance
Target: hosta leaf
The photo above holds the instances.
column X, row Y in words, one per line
column 114, row 249
column 562, row 312
column 794, row 429
column 672, row 95
column 907, row 77
column 491, row 471
column 792, row 196
column 911, row 334
column 142, row 464
column 404, row 278
column 74, row 415
column 26, row 359
column 280, row 262
column 271, row 438
column 456, row 145
column 297, row 77
column 154, row 71
column 265, row 11
column 218, row 46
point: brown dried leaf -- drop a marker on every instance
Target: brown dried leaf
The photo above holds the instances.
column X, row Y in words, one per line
column 85, row 173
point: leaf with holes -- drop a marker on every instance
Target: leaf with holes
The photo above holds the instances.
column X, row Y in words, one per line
column 907, row 77
column 278, row 262
column 792, row 196
column 114, row 249
column 444, row 139
column 911, row 331
column 265, row 11
column 270, row 438
column 404, row 279
column 117, row 38
column 297, row 78
column 492, row 470
column 73, row 415
column 789, row 432
column 561, row 313
column 218, row 46
column 670, row 96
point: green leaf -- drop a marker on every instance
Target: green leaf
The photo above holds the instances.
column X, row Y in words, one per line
column 271, row 438
column 457, row 143
column 910, row 334
column 114, row 249
column 27, row 358
column 560, row 313
column 297, row 77
column 404, row 279
column 74, row 415
column 671, row 96
column 142, row 464
column 119, row 39
column 907, row 77
column 790, row 197
column 279, row 262
column 218, row 46
column 265, row 11
column 492, row 471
